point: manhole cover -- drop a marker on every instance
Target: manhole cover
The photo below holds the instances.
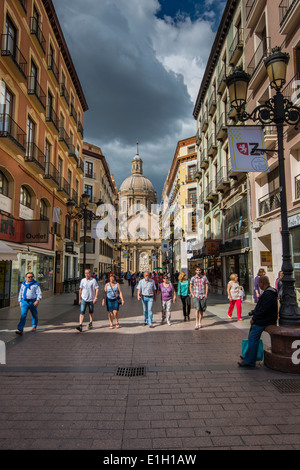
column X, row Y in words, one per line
column 287, row 385
column 130, row 371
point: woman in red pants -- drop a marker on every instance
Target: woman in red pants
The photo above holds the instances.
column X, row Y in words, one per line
column 234, row 296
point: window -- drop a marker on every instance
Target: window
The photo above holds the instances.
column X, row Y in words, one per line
column 33, row 78
column 191, row 172
column 273, row 180
column 25, row 197
column 10, row 37
column 192, row 196
column 89, row 190
column 89, row 169
column 43, row 210
column 67, row 227
column 30, row 133
column 3, row 184
column 48, row 149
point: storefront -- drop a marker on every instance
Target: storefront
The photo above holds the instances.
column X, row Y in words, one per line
column 294, row 226
column 18, row 236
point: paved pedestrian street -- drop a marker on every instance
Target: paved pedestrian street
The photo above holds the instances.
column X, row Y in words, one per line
column 61, row 389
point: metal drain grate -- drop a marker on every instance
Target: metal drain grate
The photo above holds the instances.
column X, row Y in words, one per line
column 130, row 371
column 287, row 385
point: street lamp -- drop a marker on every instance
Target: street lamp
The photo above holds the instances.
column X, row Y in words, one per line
column 279, row 111
column 172, row 241
column 85, row 214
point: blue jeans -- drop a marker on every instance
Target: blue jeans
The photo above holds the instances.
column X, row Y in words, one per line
column 147, row 309
column 84, row 304
column 25, row 306
column 253, row 343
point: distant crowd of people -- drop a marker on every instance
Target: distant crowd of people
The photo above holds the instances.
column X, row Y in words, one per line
column 149, row 285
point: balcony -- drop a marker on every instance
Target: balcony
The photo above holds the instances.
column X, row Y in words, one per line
column 34, row 157
column 51, row 175
column 289, row 12
column 73, row 114
column 13, row 57
column 221, row 80
column 212, row 104
column 254, row 9
column 73, row 154
column 64, row 187
column 80, row 165
column 223, row 181
column 221, row 128
column 64, row 138
column 52, row 118
column 237, row 47
column 64, row 93
column 256, row 66
column 269, row 203
column 204, row 161
column 13, row 134
column 204, row 124
column 198, row 137
column 90, row 174
column 53, row 67
column 212, row 148
column 297, row 187
column 191, row 201
column 80, row 128
column 35, row 90
column 292, row 90
column 211, row 193
column 36, row 31
column 198, row 173
column 75, row 197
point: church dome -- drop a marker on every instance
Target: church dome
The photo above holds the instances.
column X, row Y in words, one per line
column 137, row 183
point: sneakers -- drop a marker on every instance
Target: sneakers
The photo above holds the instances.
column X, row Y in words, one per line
column 79, row 328
column 90, row 325
column 19, row 332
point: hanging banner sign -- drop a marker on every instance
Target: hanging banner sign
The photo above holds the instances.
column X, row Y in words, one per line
column 165, row 246
column 247, row 149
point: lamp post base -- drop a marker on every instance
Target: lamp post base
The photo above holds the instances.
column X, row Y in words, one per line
column 284, row 354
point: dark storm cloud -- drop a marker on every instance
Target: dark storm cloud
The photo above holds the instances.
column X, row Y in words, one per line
column 138, row 74
column 128, row 90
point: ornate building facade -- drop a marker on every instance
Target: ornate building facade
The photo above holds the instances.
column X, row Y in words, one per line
column 139, row 236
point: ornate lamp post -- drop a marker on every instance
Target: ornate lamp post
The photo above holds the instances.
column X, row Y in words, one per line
column 279, row 111
column 85, row 214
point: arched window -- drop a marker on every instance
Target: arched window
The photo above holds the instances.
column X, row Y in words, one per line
column 43, row 210
column 3, row 184
column 25, row 197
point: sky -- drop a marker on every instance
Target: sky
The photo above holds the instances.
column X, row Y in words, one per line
column 140, row 64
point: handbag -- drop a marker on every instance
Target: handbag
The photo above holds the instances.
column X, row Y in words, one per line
column 119, row 300
column 260, row 352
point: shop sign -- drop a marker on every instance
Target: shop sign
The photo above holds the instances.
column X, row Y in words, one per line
column 36, row 231
column 165, row 246
column 294, row 221
column 212, row 247
column 266, row 258
column 69, row 247
column 247, row 149
column 23, row 231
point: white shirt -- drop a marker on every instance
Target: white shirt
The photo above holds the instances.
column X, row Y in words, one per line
column 88, row 287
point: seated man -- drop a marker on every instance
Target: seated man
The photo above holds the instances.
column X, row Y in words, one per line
column 264, row 314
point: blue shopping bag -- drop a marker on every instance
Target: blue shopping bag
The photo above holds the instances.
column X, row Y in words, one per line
column 260, row 352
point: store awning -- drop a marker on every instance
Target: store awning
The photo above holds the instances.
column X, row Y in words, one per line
column 7, row 253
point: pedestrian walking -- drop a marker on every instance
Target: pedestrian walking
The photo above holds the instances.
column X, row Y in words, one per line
column 264, row 314
column 257, row 291
column 184, row 293
column 30, row 295
column 88, row 296
column 279, row 285
column 199, row 291
column 168, row 295
column 133, row 282
column 147, row 293
column 234, row 292
column 113, row 298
